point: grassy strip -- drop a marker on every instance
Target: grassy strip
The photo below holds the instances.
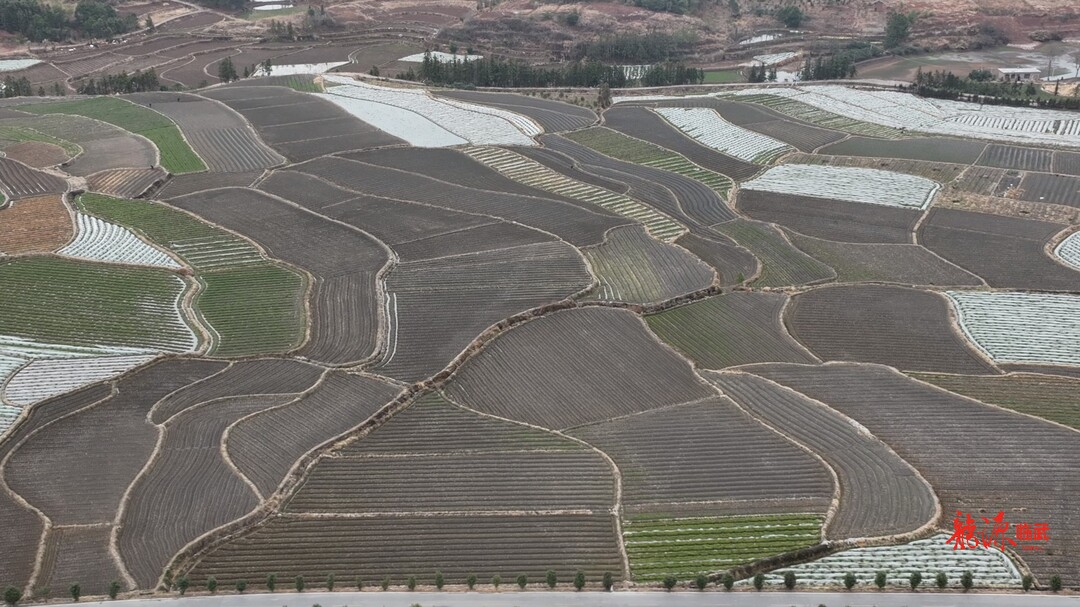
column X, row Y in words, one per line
column 83, row 303
column 628, row 149
column 253, row 309
column 176, row 155
column 19, row 134
column 1053, row 398
column 252, row 305
column 685, row 547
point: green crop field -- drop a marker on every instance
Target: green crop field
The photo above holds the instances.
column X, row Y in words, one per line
column 17, row 134
column 252, row 305
column 622, row 147
column 723, row 76
column 176, row 155
column 253, row 309
column 685, row 547
column 77, row 302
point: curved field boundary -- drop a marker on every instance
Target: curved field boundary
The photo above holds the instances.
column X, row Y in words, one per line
column 990, row 568
column 553, row 116
column 561, row 380
column 98, row 240
column 834, row 220
column 176, row 155
column 1069, row 250
column 647, row 127
column 39, row 224
column 652, row 450
column 262, row 377
column 781, row 263
column 629, row 149
column 97, row 452
column 1021, row 327
column 534, row 174
column 926, row 426
column 680, row 196
column 67, row 301
column 880, row 494
column 188, row 488
column 18, row 180
column 78, row 555
column 45, row 378
column 709, row 128
column 634, row 268
column 903, row 264
column 1049, row 397
column 732, row 329
column 900, row 327
column 733, row 264
column 125, row 183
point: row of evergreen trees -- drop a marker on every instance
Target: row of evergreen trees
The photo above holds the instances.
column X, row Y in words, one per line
column 123, row 82
column 39, row 21
column 980, row 86
column 496, row 72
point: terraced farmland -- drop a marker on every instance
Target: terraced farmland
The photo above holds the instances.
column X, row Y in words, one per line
column 684, row 547
column 380, row 331
column 176, row 156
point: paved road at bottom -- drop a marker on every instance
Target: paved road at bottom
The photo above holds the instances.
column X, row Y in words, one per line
column 604, row 599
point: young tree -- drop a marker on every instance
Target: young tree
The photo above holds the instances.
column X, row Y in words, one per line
column 604, row 97
column 241, row 586
column 330, row 582
column 359, row 584
column 880, row 579
column 211, row 584
column 495, row 581
column 551, row 578
column 271, row 581
column 1027, row 582
column 941, row 580
column 789, row 580
column 12, row 595
column 579, row 580
column 967, row 580
column 385, row 583
column 1055, row 583
column 440, row 581
column 470, row 581
column 915, row 580
column 669, row 582
column 609, row 581
column 299, row 583
column 411, row 583
column 226, row 70
column 76, row 592
column 728, row 581
column 759, row 581
column 701, row 581
column 898, row 28
column 522, row 581
column 114, row 589
column 150, row 23
column 849, row 580
column 182, row 584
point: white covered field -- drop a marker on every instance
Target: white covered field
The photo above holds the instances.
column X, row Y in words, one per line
column 855, row 184
column 936, row 116
column 989, row 567
column 99, row 240
column 417, row 117
column 1069, row 250
column 32, row 370
column 45, row 378
column 1021, row 327
column 710, row 129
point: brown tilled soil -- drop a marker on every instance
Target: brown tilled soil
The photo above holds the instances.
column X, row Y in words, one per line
column 35, row 225
column 37, row 154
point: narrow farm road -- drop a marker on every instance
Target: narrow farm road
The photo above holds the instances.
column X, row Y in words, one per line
column 603, row 599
